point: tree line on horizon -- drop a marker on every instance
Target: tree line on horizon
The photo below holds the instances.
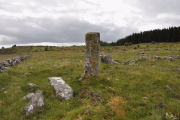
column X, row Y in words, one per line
column 171, row 34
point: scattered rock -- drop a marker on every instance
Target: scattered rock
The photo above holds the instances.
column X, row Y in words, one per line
column 169, row 87
column 32, row 85
column 114, row 61
column 36, row 102
column 156, row 57
column 15, row 84
column 170, row 58
column 28, row 96
column 145, row 97
column 25, row 74
column 5, row 91
column 127, row 62
column 141, row 53
column 22, row 75
column 143, row 58
column 159, row 106
column 63, row 90
column 167, row 49
column 106, row 59
column 132, row 63
column 178, row 68
column 95, row 97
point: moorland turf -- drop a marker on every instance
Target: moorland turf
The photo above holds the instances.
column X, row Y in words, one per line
column 127, row 92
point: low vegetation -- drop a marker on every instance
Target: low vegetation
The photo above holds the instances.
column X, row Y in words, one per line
column 147, row 91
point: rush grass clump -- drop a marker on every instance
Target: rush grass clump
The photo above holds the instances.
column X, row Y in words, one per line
column 118, row 104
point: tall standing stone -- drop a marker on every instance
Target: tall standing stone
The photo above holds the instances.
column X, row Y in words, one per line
column 91, row 67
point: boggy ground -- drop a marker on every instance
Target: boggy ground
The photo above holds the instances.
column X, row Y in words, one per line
column 147, row 91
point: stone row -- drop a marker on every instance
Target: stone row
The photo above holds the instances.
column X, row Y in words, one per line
column 4, row 65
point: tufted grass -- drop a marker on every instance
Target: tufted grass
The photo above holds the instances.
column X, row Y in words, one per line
column 128, row 92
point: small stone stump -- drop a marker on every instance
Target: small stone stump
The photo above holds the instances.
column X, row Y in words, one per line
column 63, row 90
column 91, row 67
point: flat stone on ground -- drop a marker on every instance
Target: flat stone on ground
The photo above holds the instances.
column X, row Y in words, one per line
column 63, row 90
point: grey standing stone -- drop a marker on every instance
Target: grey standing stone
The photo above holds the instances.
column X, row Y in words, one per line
column 63, row 90
column 91, row 67
column 36, row 102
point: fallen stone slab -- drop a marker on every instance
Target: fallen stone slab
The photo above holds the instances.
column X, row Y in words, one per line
column 63, row 90
column 36, row 102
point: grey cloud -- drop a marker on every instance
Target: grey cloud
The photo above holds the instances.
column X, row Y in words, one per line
column 62, row 30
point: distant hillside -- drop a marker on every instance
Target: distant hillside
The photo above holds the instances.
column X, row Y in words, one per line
column 171, row 34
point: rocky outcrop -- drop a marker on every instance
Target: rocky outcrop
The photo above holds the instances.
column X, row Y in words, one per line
column 13, row 61
column 36, row 102
column 63, row 90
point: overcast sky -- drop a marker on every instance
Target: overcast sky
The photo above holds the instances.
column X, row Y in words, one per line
column 65, row 22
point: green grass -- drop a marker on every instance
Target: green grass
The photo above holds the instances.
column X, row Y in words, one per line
column 121, row 87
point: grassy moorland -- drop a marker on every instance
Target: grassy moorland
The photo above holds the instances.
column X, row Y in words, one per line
column 127, row 92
